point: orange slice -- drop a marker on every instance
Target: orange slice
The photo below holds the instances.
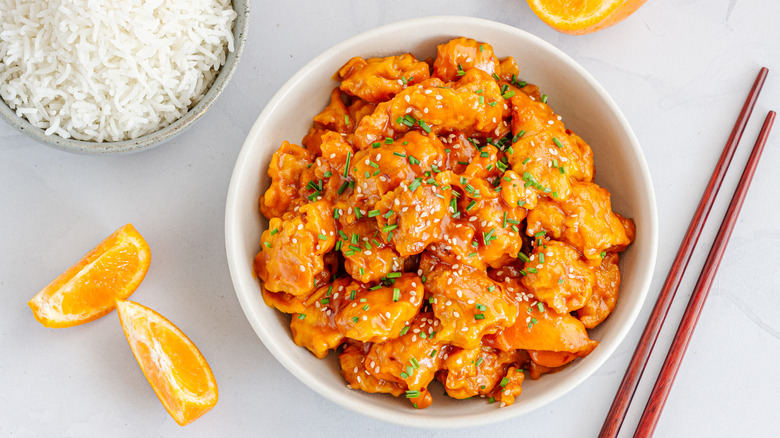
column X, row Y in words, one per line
column 578, row 17
column 172, row 364
column 89, row 289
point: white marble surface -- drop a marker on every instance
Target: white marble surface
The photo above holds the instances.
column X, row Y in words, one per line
column 679, row 70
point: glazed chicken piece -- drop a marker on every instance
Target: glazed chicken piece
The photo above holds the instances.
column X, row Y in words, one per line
column 329, row 121
column 367, row 258
column 469, row 305
column 546, row 155
column 410, row 216
column 379, row 313
column 314, row 327
column 335, row 116
column 585, row 220
column 497, row 227
column 472, row 105
column 378, row 170
column 476, row 371
column 283, row 301
column 410, row 360
column 605, row 292
column 352, row 361
column 287, row 164
column 324, row 179
column 557, row 275
column 293, row 249
column 457, row 56
column 541, row 328
column 379, row 79
column 458, row 245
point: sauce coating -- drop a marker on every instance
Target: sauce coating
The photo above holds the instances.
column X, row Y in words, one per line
column 440, row 223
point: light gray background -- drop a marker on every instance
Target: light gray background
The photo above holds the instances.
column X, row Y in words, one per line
column 679, row 70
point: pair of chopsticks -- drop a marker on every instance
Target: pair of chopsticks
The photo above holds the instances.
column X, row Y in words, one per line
column 681, row 339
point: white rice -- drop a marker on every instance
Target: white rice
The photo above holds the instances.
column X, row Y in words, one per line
column 110, row 70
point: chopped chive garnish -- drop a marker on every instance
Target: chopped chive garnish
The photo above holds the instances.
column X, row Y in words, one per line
column 396, row 294
column 544, row 98
column 274, row 231
column 412, row 394
column 322, row 237
column 301, row 316
column 523, row 257
column 325, row 301
column 376, row 144
column 471, row 205
column 424, row 126
column 374, row 213
column 479, row 316
column 540, row 306
column 541, row 257
column 481, row 307
column 479, row 361
column 346, row 167
column 433, row 353
column 532, row 270
column 394, row 275
column 267, row 244
column 404, row 330
column 558, row 143
column 414, row 362
column 508, row 94
column 388, row 228
column 343, row 187
column 603, row 254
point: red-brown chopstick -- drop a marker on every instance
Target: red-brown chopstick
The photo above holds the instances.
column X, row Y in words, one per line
column 663, row 384
column 636, row 367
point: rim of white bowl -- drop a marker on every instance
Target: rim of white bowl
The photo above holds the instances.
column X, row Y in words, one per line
column 243, row 277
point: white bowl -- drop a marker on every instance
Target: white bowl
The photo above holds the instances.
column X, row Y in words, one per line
column 586, row 109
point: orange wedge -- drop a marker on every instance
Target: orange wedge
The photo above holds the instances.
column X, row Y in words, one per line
column 578, row 17
column 89, row 289
column 172, row 364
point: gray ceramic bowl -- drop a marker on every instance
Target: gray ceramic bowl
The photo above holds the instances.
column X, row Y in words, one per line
column 158, row 137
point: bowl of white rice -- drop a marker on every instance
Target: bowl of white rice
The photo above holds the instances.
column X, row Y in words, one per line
column 114, row 76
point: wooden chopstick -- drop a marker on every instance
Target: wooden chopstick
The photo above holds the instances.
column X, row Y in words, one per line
column 663, row 384
column 636, row 367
